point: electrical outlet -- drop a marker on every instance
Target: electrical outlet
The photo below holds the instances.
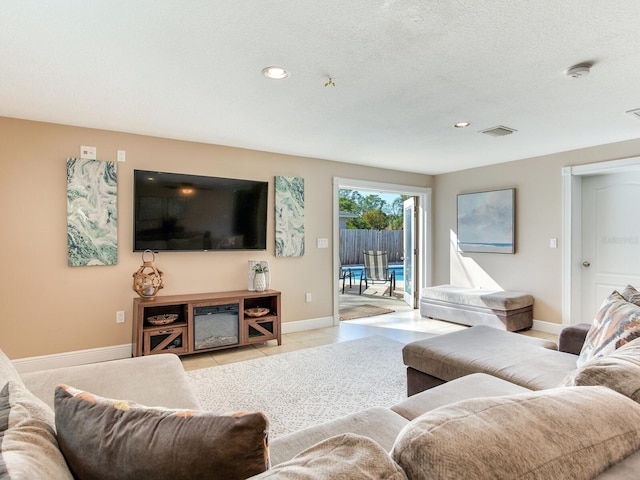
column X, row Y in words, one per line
column 308, row 297
column 120, row 318
column 88, row 153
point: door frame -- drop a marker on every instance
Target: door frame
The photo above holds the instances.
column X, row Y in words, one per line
column 423, row 277
column 415, row 257
column 572, row 229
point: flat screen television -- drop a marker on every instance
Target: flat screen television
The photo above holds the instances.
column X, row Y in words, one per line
column 178, row 212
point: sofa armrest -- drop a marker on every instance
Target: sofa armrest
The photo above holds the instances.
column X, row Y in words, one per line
column 153, row 380
column 572, row 338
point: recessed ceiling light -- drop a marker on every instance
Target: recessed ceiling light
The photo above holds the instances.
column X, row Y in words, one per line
column 275, row 73
column 461, row 124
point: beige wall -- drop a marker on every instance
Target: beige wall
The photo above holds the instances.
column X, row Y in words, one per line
column 47, row 307
column 535, row 268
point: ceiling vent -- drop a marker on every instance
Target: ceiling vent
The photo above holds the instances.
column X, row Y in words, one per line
column 635, row 113
column 499, row 131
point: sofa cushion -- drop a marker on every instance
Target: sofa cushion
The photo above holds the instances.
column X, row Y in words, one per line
column 616, row 323
column 346, row 456
column 115, row 439
column 28, row 446
column 378, row 423
column 572, row 432
column 619, row 371
column 532, row 363
column 464, row 388
column 148, row 380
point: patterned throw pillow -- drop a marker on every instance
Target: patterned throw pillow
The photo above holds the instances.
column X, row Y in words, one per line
column 120, row 440
column 630, row 294
column 28, row 446
column 616, row 323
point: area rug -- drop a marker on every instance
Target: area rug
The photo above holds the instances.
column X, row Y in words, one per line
column 362, row 311
column 307, row 387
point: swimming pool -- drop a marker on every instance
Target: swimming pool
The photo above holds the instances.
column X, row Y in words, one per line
column 357, row 270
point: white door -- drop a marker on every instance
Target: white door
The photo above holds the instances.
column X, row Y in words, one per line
column 409, row 248
column 610, row 237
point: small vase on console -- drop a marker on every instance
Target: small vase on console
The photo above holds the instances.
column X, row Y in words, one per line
column 256, row 266
column 260, row 278
column 260, row 282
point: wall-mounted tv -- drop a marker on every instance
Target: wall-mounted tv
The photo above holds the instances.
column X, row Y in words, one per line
column 178, row 212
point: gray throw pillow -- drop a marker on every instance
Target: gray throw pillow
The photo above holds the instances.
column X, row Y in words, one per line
column 119, row 440
column 28, row 446
column 619, row 371
column 347, row 456
column 572, row 432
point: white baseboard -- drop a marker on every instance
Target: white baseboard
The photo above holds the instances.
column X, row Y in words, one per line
column 303, row 325
column 70, row 359
column 547, row 327
column 116, row 352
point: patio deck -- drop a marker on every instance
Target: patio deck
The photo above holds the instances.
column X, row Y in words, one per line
column 377, row 294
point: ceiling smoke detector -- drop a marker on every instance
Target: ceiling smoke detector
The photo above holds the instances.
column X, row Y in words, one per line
column 499, row 131
column 579, row 71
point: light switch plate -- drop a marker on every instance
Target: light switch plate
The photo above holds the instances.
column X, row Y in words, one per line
column 323, row 243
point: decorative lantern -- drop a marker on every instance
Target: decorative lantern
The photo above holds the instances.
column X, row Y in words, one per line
column 147, row 281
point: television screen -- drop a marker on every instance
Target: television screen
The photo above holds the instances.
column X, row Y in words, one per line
column 177, row 212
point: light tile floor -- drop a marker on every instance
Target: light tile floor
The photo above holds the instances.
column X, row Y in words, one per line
column 403, row 326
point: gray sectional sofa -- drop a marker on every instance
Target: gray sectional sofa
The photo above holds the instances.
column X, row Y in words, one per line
column 471, row 423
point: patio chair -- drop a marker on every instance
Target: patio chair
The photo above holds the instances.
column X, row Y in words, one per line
column 376, row 269
column 344, row 274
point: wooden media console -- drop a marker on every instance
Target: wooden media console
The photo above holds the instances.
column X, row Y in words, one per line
column 201, row 322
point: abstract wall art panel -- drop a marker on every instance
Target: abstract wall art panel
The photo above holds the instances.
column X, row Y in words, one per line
column 486, row 221
column 289, row 204
column 92, row 212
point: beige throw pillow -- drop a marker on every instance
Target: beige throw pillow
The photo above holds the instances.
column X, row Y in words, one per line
column 573, row 432
column 616, row 323
column 28, row 446
column 619, row 371
column 348, row 456
column 119, row 440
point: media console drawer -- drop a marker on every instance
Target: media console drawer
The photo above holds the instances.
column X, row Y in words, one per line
column 167, row 338
column 205, row 322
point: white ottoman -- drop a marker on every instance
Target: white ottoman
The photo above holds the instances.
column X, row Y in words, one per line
column 506, row 310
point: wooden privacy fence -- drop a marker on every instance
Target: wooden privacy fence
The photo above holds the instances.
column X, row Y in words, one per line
column 353, row 242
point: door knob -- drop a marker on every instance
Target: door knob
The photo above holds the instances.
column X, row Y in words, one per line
column 586, row 263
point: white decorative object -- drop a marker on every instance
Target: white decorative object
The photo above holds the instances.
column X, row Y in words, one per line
column 260, row 282
column 252, row 273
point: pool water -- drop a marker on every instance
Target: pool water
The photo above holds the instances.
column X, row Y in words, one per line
column 357, row 270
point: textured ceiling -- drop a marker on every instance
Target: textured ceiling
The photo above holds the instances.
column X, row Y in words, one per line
column 404, row 72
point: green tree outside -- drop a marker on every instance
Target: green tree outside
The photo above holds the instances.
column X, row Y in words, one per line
column 374, row 213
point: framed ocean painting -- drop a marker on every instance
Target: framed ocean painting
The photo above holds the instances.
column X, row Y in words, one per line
column 486, row 221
